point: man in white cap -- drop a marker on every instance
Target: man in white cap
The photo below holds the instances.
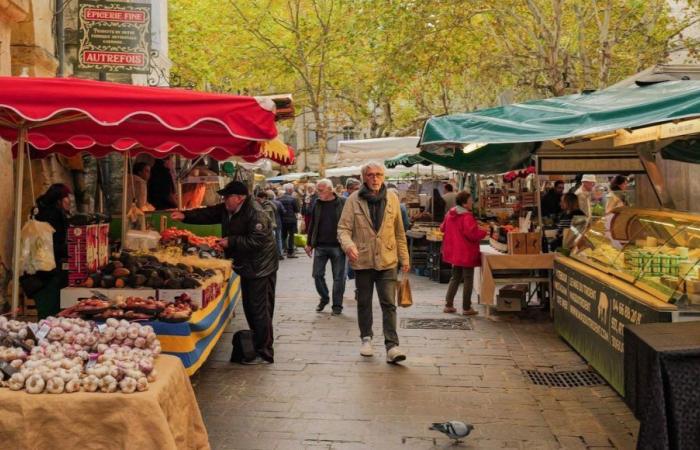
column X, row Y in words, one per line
column 584, row 193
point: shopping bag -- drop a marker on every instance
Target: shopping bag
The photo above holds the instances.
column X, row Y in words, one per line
column 36, row 247
column 404, row 297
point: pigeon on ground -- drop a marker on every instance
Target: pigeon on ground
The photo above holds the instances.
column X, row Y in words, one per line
column 453, row 429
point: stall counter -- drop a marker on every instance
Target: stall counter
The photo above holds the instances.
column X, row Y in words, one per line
column 165, row 416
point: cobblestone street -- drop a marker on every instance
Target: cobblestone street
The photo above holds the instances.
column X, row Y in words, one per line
column 321, row 393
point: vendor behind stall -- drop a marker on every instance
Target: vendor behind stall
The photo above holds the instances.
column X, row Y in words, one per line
column 616, row 197
column 569, row 210
column 161, row 185
column 54, row 208
column 551, row 200
column 585, row 192
column 137, row 187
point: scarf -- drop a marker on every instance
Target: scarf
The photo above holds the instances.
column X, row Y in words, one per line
column 376, row 203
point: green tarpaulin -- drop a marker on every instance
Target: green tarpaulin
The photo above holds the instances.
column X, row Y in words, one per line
column 491, row 159
column 555, row 118
column 406, row 159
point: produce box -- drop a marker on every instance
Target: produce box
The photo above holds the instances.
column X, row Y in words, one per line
column 71, row 295
column 517, row 243
column 512, row 297
column 508, row 304
column 200, row 297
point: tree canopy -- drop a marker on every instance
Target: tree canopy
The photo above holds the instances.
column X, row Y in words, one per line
column 387, row 65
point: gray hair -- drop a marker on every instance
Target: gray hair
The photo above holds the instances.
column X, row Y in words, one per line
column 371, row 165
column 288, row 188
column 270, row 194
column 325, row 182
column 352, row 182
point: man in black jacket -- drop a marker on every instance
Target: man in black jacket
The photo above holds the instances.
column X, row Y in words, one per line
column 289, row 218
column 322, row 238
column 248, row 240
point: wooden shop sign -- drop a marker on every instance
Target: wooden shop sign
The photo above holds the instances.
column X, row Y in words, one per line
column 114, row 36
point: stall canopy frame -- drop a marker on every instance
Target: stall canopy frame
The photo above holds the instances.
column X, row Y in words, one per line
column 91, row 114
column 476, row 142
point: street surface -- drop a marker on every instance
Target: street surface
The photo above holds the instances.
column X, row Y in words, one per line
column 321, row 394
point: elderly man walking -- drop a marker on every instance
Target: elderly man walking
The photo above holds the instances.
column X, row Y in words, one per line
column 322, row 239
column 372, row 236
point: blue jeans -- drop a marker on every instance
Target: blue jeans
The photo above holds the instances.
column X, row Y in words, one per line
column 337, row 257
column 278, row 239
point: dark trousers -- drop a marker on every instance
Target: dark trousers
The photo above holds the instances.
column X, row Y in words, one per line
column 337, row 258
column 288, row 231
column 460, row 274
column 385, row 281
column 259, row 306
column 48, row 298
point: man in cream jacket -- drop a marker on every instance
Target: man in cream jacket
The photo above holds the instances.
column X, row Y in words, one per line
column 371, row 234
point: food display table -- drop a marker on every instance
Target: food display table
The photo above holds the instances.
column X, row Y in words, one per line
column 191, row 341
column 520, row 269
column 153, row 220
column 164, row 417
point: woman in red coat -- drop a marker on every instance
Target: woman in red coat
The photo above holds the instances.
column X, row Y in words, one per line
column 460, row 247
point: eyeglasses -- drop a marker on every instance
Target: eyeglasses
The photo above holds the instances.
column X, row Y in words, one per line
column 374, row 175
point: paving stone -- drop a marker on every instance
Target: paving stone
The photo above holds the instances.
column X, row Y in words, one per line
column 321, row 394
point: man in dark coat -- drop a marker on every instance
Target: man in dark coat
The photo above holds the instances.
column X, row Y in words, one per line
column 246, row 238
column 551, row 201
column 289, row 219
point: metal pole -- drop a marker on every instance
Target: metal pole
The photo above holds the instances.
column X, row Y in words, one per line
column 21, row 142
column 60, row 36
column 125, row 183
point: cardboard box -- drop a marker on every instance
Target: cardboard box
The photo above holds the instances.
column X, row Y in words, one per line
column 534, row 243
column 200, row 297
column 71, row 295
column 517, row 243
column 504, row 303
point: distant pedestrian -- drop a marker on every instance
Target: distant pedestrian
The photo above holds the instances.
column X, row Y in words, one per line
column 322, row 241
column 289, row 218
column 460, row 247
column 309, row 200
column 450, row 197
column 371, row 233
column 279, row 212
column 351, row 185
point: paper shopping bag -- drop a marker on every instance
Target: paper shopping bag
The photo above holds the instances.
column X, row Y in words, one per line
column 405, row 299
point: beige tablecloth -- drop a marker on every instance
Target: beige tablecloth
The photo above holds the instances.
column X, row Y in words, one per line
column 164, row 417
column 492, row 260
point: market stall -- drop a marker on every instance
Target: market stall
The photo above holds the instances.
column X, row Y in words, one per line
column 93, row 115
column 633, row 266
column 154, row 419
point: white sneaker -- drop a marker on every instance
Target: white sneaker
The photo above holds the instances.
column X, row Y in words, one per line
column 366, row 349
column 395, row 355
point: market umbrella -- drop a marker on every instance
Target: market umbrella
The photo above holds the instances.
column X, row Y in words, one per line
column 406, row 159
column 69, row 110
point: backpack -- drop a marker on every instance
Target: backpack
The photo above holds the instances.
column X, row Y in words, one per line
column 243, row 348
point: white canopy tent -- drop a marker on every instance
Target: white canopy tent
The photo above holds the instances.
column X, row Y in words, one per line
column 360, row 151
column 354, row 171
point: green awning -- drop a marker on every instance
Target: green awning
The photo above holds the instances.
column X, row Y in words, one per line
column 406, row 159
column 490, row 159
column 556, row 118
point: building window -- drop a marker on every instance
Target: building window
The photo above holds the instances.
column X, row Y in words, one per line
column 348, row 133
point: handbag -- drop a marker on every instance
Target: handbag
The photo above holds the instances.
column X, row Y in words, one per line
column 405, row 299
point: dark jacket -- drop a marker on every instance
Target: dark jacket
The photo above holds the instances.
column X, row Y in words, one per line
column 161, row 187
column 250, row 240
column 551, row 203
column 291, row 208
column 58, row 219
column 312, row 232
column 279, row 212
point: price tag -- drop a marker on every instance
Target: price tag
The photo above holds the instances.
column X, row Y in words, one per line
column 43, row 331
